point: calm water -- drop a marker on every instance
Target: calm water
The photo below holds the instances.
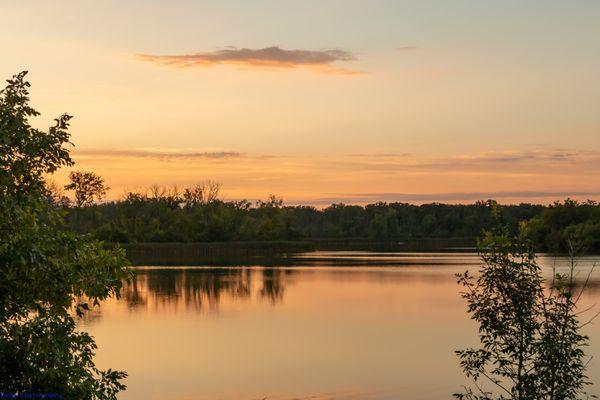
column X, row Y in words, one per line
column 335, row 325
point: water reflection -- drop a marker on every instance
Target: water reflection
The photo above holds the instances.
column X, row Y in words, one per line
column 348, row 325
column 202, row 288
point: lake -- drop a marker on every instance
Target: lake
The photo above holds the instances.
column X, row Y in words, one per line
column 327, row 325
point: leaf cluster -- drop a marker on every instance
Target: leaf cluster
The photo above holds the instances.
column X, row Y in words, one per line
column 47, row 273
column 531, row 346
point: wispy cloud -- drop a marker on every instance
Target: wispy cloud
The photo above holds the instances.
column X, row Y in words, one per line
column 492, row 161
column 542, row 175
column 407, row 48
column 521, row 156
column 164, row 154
column 366, row 198
column 273, row 57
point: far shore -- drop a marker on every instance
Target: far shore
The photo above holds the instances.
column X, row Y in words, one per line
column 276, row 252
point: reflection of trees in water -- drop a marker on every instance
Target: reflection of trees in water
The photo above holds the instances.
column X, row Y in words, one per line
column 201, row 289
column 590, row 287
column 204, row 289
column 132, row 294
column 198, row 289
column 273, row 283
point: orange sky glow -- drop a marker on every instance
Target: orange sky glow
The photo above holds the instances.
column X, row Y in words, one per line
column 319, row 103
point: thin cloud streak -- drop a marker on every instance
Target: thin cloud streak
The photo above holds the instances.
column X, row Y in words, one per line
column 156, row 153
column 365, row 198
column 507, row 161
column 523, row 156
column 524, row 162
column 269, row 57
column 359, row 178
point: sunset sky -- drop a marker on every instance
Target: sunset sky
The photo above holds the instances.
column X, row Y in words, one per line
column 321, row 101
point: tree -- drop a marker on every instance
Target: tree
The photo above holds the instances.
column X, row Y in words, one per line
column 56, row 194
column 87, row 187
column 201, row 193
column 531, row 345
column 47, row 272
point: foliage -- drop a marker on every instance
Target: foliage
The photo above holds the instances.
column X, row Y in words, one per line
column 87, row 187
column 531, row 345
column 552, row 228
column 165, row 215
column 46, row 271
column 201, row 193
column 196, row 214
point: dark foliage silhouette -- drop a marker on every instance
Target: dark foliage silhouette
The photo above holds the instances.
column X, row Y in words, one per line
column 531, row 344
column 47, row 272
column 198, row 215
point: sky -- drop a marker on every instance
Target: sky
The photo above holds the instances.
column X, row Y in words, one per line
column 321, row 101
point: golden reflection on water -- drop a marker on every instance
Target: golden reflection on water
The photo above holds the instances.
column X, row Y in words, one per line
column 337, row 326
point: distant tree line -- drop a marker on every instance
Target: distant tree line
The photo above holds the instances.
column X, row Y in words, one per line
column 197, row 214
